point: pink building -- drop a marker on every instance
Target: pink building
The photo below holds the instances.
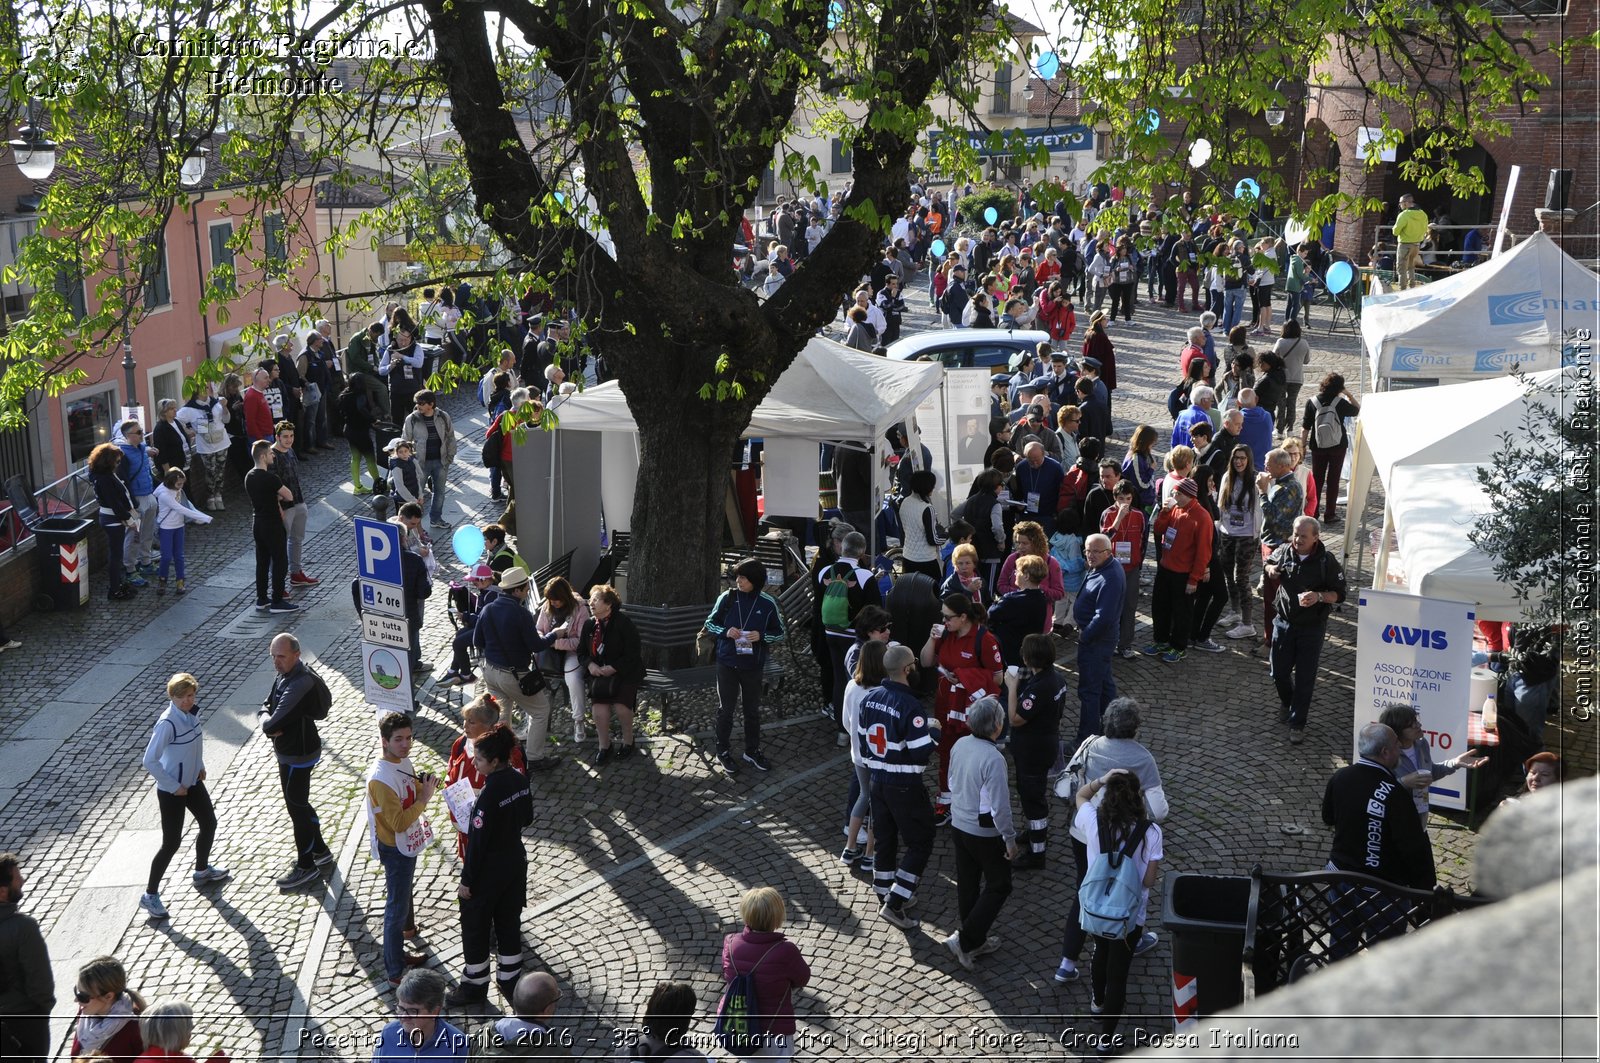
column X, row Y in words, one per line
column 173, row 336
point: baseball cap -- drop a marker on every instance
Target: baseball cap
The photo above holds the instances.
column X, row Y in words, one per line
column 483, row 572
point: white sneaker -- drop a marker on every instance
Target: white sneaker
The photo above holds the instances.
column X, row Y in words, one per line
column 953, row 943
column 151, row 903
column 1229, row 619
column 1243, row 631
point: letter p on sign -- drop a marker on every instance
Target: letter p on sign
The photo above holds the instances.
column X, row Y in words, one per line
column 378, row 551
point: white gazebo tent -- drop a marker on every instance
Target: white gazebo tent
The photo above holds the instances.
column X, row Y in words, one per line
column 829, row 393
column 1514, row 310
column 1433, row 510
column 1446, row 432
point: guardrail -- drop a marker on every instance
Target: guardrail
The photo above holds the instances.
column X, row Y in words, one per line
column 70, row 494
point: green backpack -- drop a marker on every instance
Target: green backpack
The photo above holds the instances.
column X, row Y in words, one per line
column 836, row 595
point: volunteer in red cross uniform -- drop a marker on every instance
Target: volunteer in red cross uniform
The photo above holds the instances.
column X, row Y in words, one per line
column 896, row 740
column 968, row 657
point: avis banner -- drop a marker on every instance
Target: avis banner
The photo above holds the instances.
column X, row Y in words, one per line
column 1417, row 652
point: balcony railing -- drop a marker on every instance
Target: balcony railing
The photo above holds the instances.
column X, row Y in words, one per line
column 69, row 495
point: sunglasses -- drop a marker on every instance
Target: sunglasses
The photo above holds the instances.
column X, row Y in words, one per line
column 81, row 997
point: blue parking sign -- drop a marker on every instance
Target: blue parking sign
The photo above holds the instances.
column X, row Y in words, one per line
column 378, row 551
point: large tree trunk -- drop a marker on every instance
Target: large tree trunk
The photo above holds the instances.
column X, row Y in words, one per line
column 686, row 449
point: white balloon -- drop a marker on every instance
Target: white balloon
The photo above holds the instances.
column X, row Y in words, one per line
column 1296, row 232
column 1200, row 152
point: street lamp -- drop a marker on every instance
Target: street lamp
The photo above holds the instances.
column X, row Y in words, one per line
column 193, row 170
column 1276, row 113
column 35, row 153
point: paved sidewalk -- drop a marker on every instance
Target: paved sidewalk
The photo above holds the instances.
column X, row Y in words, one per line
column 636, row 870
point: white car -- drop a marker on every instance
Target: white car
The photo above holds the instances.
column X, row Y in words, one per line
column 964, row 348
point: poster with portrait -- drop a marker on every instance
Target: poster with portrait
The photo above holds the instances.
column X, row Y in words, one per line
column 954, row 423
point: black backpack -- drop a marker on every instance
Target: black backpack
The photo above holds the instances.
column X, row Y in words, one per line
column 321, row 700
column 491, row 446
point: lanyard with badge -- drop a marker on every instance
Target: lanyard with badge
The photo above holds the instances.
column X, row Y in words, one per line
column 742, row 644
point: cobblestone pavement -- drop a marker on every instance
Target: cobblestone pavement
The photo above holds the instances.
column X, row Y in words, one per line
column 637, row 869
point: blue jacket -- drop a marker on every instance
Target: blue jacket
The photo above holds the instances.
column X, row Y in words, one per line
column 136, row 470
column 1190, row 417
column 895, row 733
column 1098, row 608
column 447, row 1043
column 747, row 612
column 1046, row 482
column 1256, row 433
column 508, row 634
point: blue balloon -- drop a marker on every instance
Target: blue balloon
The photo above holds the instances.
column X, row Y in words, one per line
column 835, row 15
column 1246, row 188
column 1151, row 121
column 991, row 215
column 937, row 247
column 1047, row 65
column 468, row 544
column 1339, row 277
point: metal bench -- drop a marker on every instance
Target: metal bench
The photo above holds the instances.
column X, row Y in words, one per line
column 667, row 633
column 795, row 605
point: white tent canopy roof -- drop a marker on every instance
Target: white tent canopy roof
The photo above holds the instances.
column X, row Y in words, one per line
column 1447, row 424
column 1434, row 508
column 829, row 392
column 1510, row 310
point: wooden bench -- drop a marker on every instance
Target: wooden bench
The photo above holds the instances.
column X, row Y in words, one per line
column 668, row 634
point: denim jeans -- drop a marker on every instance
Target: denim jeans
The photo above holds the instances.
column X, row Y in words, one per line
column 398, row 872
column 433, row 479
column 1232, row 307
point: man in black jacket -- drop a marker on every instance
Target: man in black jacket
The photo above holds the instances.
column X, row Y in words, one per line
column 1310, row 582
column 27, row 987
column 956, row 295
column 1375, row 826
column 288, row 717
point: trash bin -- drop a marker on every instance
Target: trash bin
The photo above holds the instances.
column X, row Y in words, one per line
column 63, row 561
column 1205, row 914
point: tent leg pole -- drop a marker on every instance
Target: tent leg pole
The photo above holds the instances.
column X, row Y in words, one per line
column 550, row 534
column 944, row 415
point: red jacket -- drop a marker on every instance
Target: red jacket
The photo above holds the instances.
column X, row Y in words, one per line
column 257, row 415
column 1131, row 532
column 779, row 970
column 974, row 668
column 1190, row 547
column 1189, row 353
column 121, row 1047
column 1098, row 345
column 1058, row 319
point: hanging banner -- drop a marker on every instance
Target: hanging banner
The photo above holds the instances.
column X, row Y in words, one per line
column 1417, row 652
column 954, row 423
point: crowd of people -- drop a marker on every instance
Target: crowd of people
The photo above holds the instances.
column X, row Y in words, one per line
column 964, row 661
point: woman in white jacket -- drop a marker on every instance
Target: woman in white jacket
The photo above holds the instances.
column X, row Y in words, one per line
column 174, row 758
column 173, row 513
column 562, row 605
